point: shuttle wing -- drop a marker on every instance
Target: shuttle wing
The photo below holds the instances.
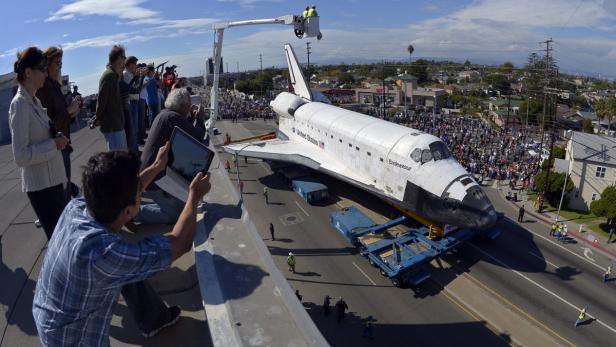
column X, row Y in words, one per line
column 296, row 75
column 298, row 153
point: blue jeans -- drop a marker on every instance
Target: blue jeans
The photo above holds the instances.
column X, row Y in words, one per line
column 164, row 210
column 154, row 109
column 133, row 141
column 141, row 119
column 116, row 140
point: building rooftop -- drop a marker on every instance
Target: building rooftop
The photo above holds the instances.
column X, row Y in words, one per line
column 406, row 77
column 595, row 148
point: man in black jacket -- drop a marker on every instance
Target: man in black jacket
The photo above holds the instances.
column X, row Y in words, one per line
column 178, row 112
column 109, row 110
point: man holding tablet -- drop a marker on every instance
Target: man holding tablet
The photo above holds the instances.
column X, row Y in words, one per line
column 88, row 263
column 178, row 112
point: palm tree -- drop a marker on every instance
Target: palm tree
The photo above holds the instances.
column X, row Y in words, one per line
column 606, row 108
column 410, row 49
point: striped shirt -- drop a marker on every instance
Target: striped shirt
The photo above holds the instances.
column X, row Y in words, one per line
column 84, row 270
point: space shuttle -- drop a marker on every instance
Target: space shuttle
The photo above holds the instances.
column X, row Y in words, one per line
column 406, row 167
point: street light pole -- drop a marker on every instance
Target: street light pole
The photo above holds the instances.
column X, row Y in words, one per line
column 562, row 195
column 237, row 165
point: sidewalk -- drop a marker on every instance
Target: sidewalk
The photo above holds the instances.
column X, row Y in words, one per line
column 23, row 247
column 587, row 236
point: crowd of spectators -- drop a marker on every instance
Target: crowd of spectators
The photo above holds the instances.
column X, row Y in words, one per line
column 235, row 105
column 482, row 148
column 88, row 263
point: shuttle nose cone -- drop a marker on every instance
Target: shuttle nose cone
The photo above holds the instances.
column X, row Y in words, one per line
column 479, row 209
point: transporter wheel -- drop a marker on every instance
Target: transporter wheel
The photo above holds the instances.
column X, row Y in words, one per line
column 383, row 273
column 371, row 262
column 397, row 282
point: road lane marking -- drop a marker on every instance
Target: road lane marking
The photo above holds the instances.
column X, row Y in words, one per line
column 586, row 251
column 527, row 315
column 542, row 258
column 301, row 208
column 363, row 273
column 566, row 249
column 540, row 286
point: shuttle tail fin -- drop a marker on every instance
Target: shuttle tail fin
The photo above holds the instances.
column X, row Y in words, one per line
column 296, row 75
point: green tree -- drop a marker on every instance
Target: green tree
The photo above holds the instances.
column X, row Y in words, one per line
column 555, row 186
column 346, row 78
column 588, row 127
column 419, row 69
column 507, row 67
column 606, row 109
column 606, row 205
column 559, row 152
column 535, row 107
column 499, row 82
column 383, row 71
column 467, row 63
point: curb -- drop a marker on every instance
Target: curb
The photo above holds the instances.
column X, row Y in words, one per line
column 573, row 233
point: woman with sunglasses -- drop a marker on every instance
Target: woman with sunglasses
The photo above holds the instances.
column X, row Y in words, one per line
column 60, row 113
column 35, row 142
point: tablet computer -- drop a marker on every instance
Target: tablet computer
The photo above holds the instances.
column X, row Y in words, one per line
column 187, row 155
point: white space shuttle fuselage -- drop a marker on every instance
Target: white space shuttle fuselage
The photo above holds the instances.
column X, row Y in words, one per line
column 405, row 166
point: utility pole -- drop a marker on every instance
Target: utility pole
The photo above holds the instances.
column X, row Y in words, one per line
column 548, row 73
column 383, row 98
column 308, row 52
column 261, row 78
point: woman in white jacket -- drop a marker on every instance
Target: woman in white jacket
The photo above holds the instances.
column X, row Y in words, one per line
column 35, row 142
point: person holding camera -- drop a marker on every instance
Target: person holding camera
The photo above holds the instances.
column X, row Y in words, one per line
column 60, row 113
column 109, row 107
column 152, row 99
column 132, row 77
column 88, row 263
column 36, row 143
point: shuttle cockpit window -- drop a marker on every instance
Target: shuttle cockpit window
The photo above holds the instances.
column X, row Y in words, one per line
column 439, row 150
column 426, row 156
column 416, row 155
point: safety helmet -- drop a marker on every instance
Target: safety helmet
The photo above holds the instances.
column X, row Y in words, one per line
column 290, row 253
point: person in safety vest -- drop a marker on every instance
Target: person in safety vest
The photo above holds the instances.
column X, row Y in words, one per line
column 553, row 229
column 312, row 12
column 306, row 10
column 581, row 316
column 608, row 272
column 291, row 262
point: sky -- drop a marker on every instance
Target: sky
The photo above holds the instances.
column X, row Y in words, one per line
column 483, row 31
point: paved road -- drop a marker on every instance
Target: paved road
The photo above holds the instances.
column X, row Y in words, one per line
column 544, row 279
column 326, row 264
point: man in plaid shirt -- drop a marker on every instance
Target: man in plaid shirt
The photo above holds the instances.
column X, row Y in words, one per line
column 88, row 263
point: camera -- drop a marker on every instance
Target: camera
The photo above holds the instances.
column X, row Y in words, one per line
column 92, row 122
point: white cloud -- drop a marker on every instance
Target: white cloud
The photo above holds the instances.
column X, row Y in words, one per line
column 487, row 31
column 9, row 52
column 125, row 9
column 538, row 13
column 188, row 23
column 248, row 3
